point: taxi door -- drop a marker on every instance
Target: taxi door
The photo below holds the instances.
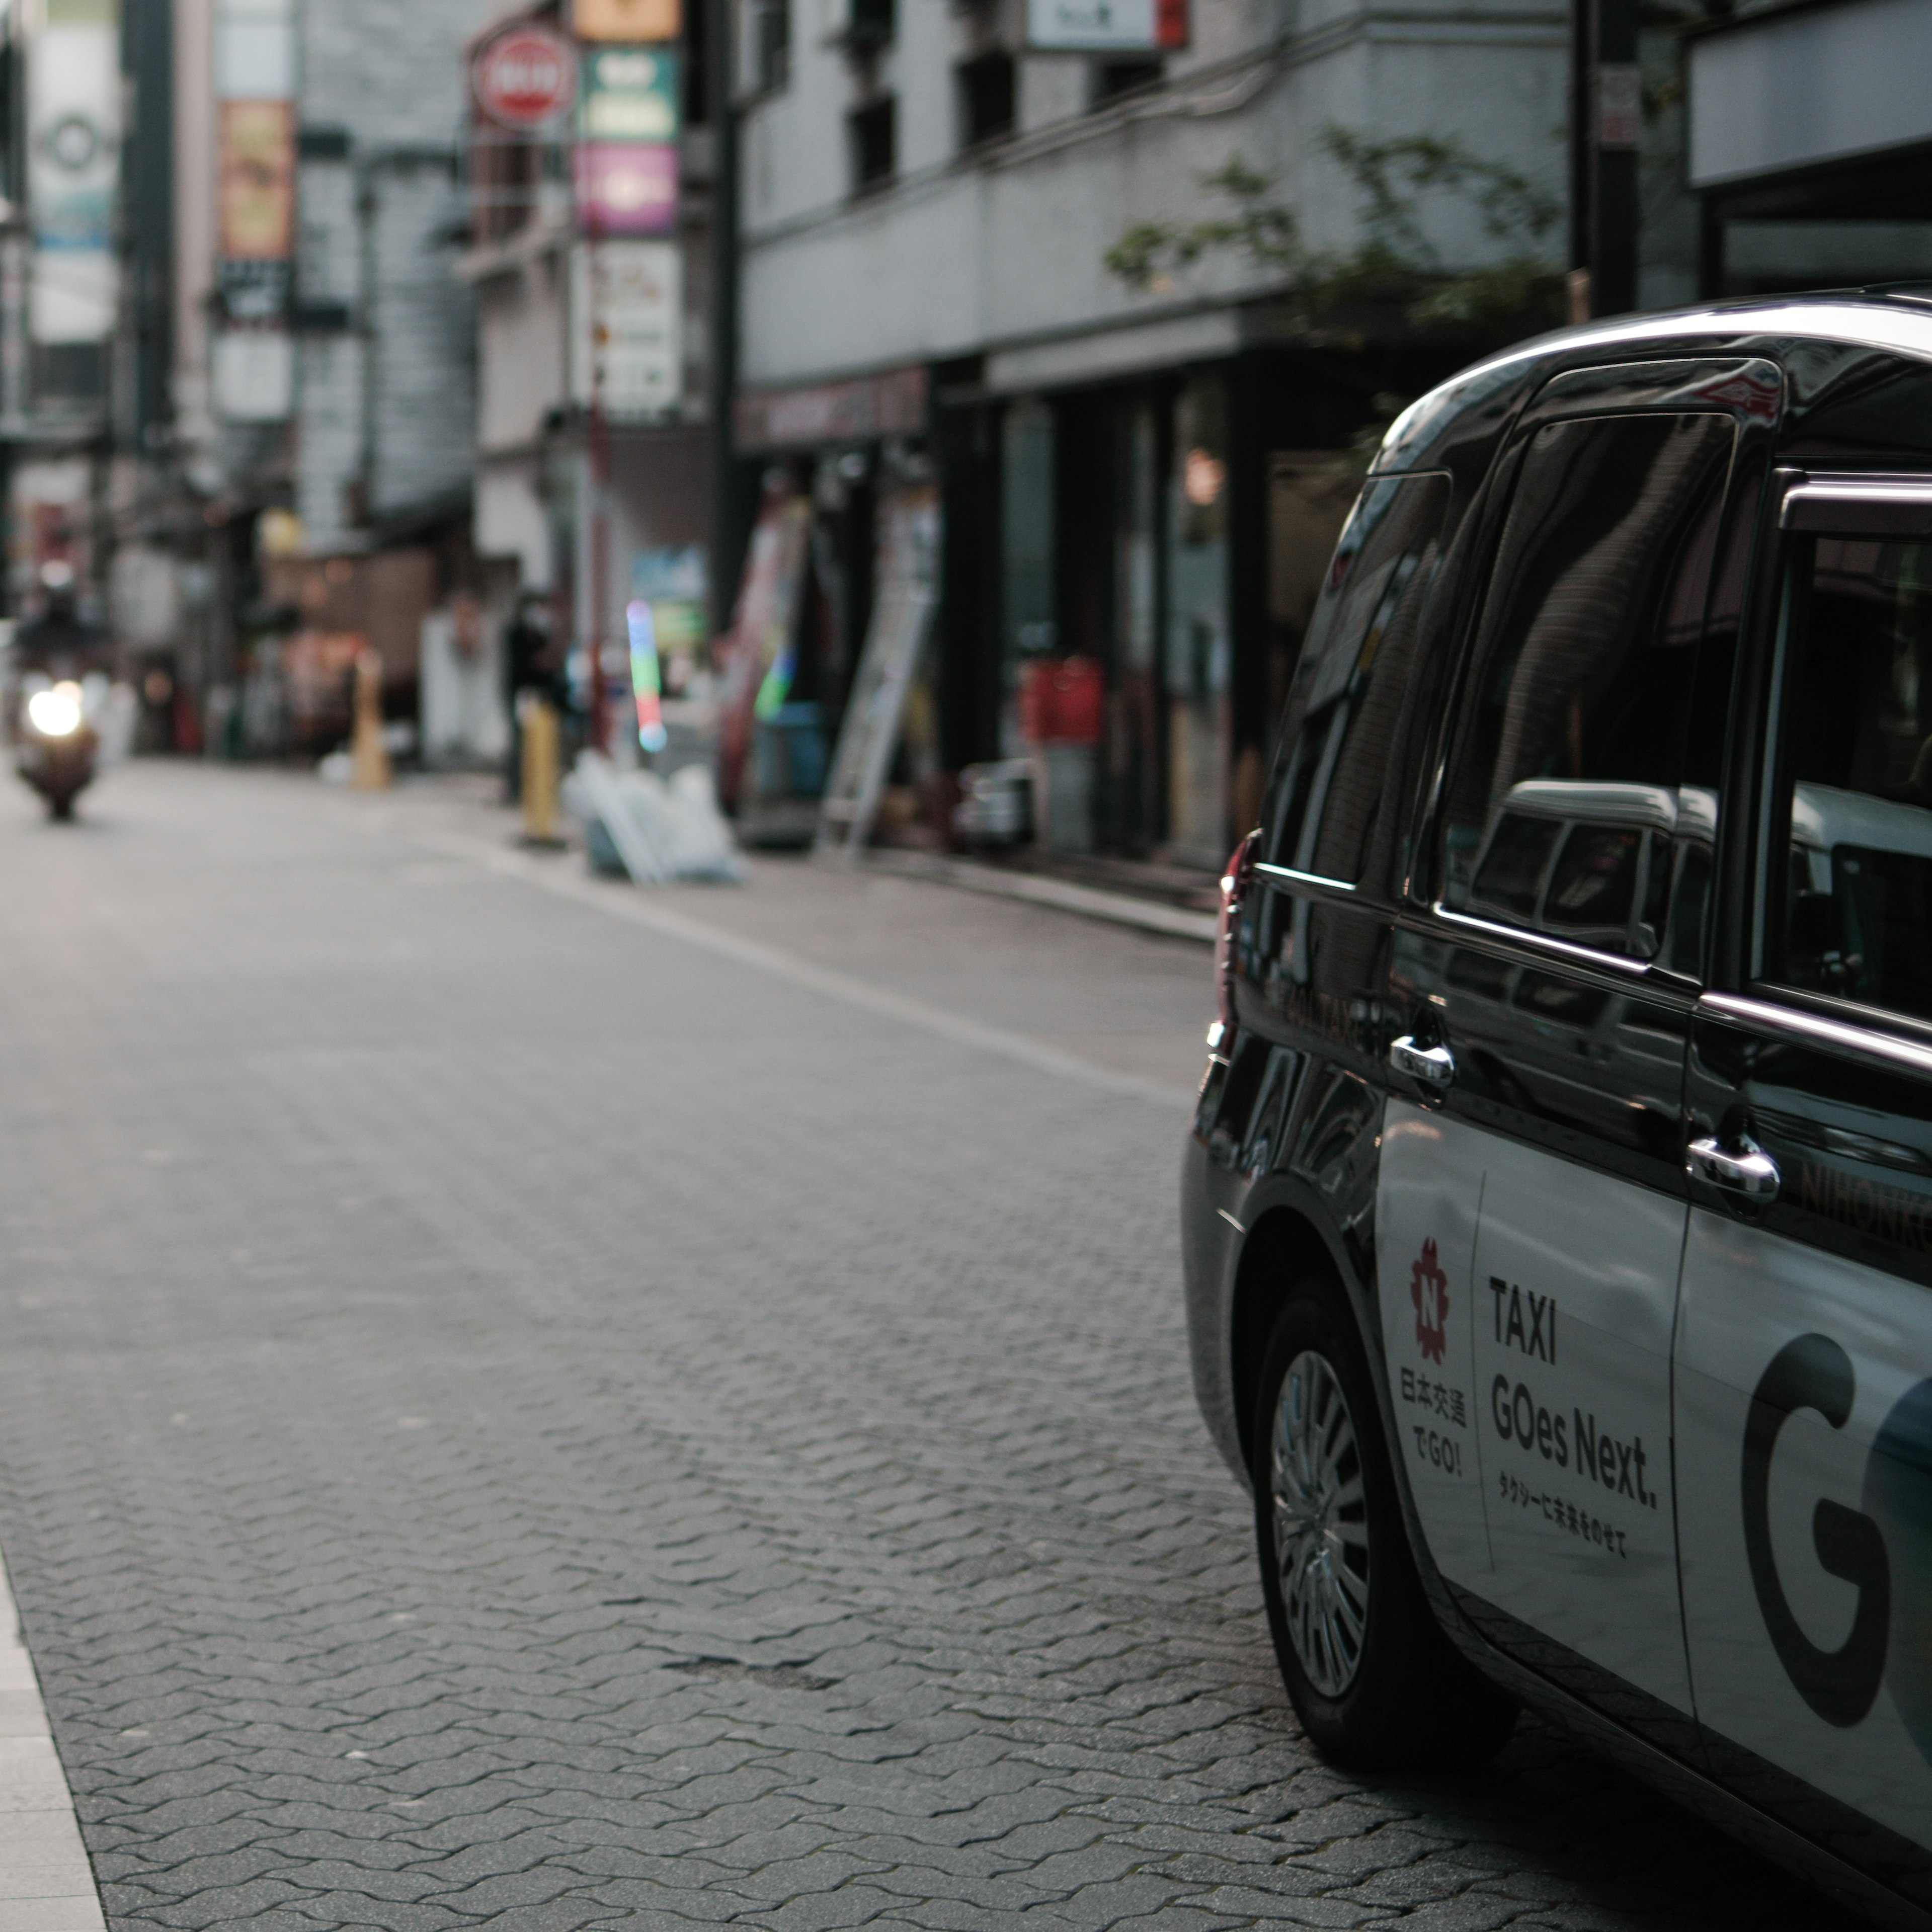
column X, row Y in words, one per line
column 1547, row 991
column 1803, row 1354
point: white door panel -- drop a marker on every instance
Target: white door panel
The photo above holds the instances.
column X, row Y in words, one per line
column 1427, row 1197
column 1828, row 1676
column 1576, row 1272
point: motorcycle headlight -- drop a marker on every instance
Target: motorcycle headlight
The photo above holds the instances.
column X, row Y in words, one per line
column 55, row 713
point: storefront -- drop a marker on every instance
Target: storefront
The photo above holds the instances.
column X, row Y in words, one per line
column 1126, row 567
column 834, row 459
column 1152, row 536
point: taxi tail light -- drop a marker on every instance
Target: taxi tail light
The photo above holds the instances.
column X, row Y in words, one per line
column 1236, row 879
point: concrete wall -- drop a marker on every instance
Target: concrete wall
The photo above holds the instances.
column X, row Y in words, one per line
column 511, row 519
column 964, row 252
column 391, row 76
column 522, row 376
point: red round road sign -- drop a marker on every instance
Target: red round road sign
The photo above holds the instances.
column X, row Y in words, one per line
column 526, row 77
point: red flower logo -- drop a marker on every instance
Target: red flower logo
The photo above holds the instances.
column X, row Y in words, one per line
column 1428, row 1289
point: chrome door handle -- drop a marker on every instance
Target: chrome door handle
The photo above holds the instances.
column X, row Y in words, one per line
column 1750, row 1173
column 1433, row 1065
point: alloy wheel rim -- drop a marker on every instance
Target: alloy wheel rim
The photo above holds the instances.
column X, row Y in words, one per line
column 1320, row 1523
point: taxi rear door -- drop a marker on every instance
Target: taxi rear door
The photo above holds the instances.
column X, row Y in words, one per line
column 1545, row 981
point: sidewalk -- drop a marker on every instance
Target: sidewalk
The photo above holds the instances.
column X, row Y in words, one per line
column 1041, row 888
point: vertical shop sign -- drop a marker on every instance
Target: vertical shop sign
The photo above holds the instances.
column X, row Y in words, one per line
column 73, row 162
column 628, row 126
column 255, row 79
column 634, row 21
column 257, row 207
column 627, row 327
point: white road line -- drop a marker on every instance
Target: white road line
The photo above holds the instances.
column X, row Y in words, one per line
column 633, row 906
column 46, row 1884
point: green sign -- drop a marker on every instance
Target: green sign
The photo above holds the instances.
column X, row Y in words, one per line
column 630, row 94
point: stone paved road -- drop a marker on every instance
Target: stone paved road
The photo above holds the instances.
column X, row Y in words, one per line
column 509, row 1416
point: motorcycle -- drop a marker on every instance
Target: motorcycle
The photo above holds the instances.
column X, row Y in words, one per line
column 57, row 744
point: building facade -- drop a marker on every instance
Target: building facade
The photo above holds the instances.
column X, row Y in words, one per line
column 295, row 409
column 1142, row 475
column 1809, row 146
column 588, row 255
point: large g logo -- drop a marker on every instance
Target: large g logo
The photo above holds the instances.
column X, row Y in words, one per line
column 1814, row 1373
column 1898, row 1494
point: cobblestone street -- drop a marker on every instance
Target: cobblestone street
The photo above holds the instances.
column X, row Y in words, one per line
column 526, row 1403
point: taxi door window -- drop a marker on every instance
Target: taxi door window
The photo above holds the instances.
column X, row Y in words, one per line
column 1851, row 903
column 1565, row 811
column 1345, row 703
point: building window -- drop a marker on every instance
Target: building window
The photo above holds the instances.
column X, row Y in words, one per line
column 1112, row 79
column 70, row 375
column 873, row 147
column 985, row 98
column 765, row 45
column 869, row 24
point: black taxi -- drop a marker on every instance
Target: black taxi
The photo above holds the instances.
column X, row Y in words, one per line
column 1558, row 1209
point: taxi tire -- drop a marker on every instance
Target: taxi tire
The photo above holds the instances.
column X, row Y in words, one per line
column 1415, row 1702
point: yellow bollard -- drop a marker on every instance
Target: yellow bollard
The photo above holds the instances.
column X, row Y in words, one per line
column 540, row 804
column 371, row 772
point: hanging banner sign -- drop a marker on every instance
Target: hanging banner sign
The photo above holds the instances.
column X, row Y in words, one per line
column 630, row 94
column 74, row 95
column 257, row 208
column 1107, row 26
column 525, row 78
column 632, row 20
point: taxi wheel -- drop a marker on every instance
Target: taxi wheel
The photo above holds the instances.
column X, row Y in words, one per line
column 1376, row 1683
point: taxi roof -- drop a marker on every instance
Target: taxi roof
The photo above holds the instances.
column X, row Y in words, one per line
column 1892, row 324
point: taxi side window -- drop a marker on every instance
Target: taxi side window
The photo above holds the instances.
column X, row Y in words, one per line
column 1851, row 911
column 1566, row 810
column 1343, row 708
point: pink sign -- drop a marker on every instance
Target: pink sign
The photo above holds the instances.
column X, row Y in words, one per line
column 627, row 187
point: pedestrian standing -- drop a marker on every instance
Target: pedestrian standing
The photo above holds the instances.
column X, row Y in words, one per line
column 527, row 666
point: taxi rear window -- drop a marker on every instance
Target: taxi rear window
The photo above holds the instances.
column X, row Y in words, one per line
column 1566, row 810
column 1333, row 769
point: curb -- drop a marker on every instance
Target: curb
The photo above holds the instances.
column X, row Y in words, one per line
column 1089, row 901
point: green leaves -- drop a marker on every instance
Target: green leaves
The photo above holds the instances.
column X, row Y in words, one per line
column 1395, row 261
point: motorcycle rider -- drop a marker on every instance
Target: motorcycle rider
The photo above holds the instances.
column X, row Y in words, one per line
column 60, row 666
column 58, row 643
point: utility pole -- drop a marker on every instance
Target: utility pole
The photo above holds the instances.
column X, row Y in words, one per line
column 597, row 447
column 727, row 499
column 1606, row 120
